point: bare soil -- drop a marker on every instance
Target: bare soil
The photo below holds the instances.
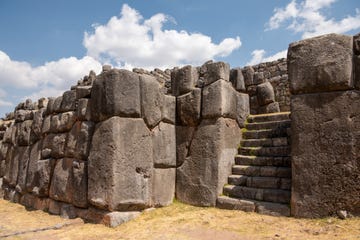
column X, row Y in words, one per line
column 178, row 221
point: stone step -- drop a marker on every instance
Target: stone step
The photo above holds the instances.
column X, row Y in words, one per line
column 266, row 208
column 260, row 182
column 268, row 125
column 266, row 133
column 282, row 151
column 259, row 194
column 263, row 161
column 261, row 171
column 265, row 142
column 269, row 117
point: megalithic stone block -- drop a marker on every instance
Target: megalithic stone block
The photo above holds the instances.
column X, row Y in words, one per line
column 79, row 139
column 164, row 145
column 215, row 71
column 163, row 190
column 120, row 165
column 237, row 79
column 265, row 93
column 183, row 80
column 152, row 99
column 23, row 158
column 115, row 93
column 189, row 107
column 321, row 64
column 219, row 100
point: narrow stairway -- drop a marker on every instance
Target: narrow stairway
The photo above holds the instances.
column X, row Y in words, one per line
column 261, row 177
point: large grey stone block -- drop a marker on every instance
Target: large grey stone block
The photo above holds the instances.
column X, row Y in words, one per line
column 152, row 99
column 115, row 93
column 168, row 109
column 83, row 92
column 265, row 93
column 325, row 152
column 321, row 64
column 189, row 107
column 56, row 107
column 242, row 108
column 201, row 178
column 163, row 189
column 62, row 122
column 54, row 145
column 357, row 72
column 215, row 71
column 183, row 80
column 68, row 101
column 79, row 140
column 164, row 145
column 219, row 100
column 24, row 133
column 184, row 137
column 248, row 73
column 42, row 177
column 34, row 157
column 119, row 170
column 83, row 111
column 37, row 123
column 237, row 79
column 23, row 158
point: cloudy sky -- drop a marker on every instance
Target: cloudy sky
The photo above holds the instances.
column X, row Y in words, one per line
column 46, row 46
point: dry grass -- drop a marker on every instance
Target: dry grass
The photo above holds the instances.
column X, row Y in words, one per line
column 178, row 221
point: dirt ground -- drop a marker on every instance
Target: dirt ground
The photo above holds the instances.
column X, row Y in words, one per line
column 178, row 221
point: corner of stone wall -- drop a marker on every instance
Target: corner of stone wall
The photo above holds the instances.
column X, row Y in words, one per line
column 211, row 109
column 324, row 82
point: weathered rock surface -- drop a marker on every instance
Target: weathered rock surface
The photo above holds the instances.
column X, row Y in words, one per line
column 189, row 107
column 216, row 71
column 152, row 100
column 321, row 64
column 163, row 189
column 79, row 140
column 123, row 181
column 265, row 94
column 325, row 153
column 115, row 93
column 68, row 102
column 237, row 79
column 183, row 80
column 242, row 108
column 204, row 172
column 168, row 109
column 164, row 145
column 219, row 100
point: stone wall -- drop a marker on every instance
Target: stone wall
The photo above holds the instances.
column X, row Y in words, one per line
column 112, row 145
column 277, row 94
column 325, row 124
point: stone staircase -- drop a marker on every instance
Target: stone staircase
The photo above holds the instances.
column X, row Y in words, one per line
column 261, row 177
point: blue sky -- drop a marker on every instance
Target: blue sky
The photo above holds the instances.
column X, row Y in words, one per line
column 46, row 46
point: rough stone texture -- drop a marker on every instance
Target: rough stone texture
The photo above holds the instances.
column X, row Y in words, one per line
column 357, row 71
column 265, row 94
column 123, row 180
column 357, row 44
column 37, row 123
column 80, row 183
column 184, row 136
column 46, row 127
column 151, row 100
column 164, row 145
column 54, row 145
column 201, row 177
column 183, row 80
column 168, row 109
column 219, row 100
column 189, row 107
column 42, row 177
column 215, row 71
column 242, row 108
column 248, row 73
column 83, row 92
column 56, row 107
column 83, row 112
column 24, row 133
column 115, row 93
column 163, row 189
column 61, row 184
column 23, row 158
column 79, row 140
column 237, row 79
column 325, row 153
column 321, row 64
column 35, row 154
column 68, row 101
column 62, row 122
column 114, row 219
column 270, row 108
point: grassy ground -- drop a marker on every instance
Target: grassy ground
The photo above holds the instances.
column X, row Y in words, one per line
column 178, row 221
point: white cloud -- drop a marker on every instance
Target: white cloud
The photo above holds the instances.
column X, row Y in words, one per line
column 258, row 56
column 131, row 40
column 307, row 18
column 4, row 103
